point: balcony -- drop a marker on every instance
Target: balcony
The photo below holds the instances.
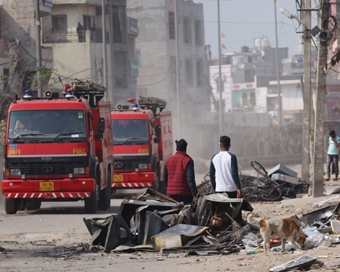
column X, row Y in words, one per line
column 73, row 37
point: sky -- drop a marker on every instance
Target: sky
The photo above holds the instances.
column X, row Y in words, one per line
column 244, row 20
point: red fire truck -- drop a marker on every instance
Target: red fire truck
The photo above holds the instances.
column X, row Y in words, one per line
column 59, row 149
column 142, row 143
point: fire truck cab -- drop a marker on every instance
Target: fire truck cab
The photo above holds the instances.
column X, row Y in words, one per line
column 59, row 149
column 142, row 139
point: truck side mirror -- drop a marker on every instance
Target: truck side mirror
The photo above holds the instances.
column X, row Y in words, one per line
column 156, row 140
column 101, row 125
column 158, row 130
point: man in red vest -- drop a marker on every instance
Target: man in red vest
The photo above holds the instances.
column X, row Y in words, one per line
column 179, row 175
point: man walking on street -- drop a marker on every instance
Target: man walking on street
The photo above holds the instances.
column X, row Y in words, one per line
column 332, row 154
column 224, row 166
column 179, row 175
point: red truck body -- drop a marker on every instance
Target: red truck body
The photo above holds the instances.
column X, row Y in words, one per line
column 45, row 162
column 142, row 143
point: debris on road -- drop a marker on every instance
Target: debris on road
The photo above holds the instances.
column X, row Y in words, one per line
column 277, row 183
column 210, row 226
column 301, row 262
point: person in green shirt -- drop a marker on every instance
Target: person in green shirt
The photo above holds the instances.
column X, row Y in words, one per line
column 332, row 154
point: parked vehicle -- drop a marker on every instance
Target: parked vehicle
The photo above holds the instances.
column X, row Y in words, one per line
column 142, row 143
column 59, row 149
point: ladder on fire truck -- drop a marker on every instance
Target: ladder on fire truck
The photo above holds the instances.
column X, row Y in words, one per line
column 152, row 103
column 88, row 90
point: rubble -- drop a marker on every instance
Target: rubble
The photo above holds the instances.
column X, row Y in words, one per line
column 152, row 222
column 274, row 185
column 155, row 221
column 301, row 262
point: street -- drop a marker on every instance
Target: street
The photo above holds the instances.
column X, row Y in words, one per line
column 55, row 238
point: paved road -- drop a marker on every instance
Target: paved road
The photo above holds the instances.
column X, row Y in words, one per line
column 60, row 221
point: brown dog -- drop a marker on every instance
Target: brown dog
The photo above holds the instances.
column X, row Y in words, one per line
column 279, row 228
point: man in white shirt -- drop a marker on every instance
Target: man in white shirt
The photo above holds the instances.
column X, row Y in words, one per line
column 224, row 166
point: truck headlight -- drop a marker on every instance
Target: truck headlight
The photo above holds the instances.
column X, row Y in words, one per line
column 143, row 166
column 79, row 171
column 15, row 172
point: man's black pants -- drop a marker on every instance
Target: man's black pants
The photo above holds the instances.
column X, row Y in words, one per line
column 333, row 159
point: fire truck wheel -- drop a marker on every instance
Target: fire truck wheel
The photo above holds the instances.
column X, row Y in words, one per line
column 32, row 205
column 104, row 202
column 21, row 204
column 92, row 201
column 11, row 205
column 38, row 204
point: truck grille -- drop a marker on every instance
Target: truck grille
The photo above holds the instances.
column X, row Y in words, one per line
column 129, row 164
column 47, row 169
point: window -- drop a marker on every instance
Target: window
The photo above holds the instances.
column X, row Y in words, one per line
column 48, row 124
column 187, row 30
column 130, row 131
column 244, row 100
column 59, row 23
column 198, row 32
column 199, row 73
column 117, row 31
column 5, row 75
column 87, row 22
column 172, row 34
column 248, row 75
column 189, row 72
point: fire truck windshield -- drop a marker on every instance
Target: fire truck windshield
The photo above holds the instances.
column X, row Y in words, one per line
column 46, row 124
column 130, row 131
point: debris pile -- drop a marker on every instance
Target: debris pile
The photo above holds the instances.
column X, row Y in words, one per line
column 273, row 185
column 156, row 222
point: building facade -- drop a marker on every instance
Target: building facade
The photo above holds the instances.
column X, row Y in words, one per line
column 158, row 48
column 18, row 45
column 74, row 30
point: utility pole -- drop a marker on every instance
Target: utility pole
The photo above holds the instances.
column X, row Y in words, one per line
column 307, row 90
column 104, row 48
column 319, row 155
column 178, row 102
column 220, row 113
column 38, row 48
column 277, row 71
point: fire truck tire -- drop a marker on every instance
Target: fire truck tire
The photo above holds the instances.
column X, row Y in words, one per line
column 32, row 205
column 21, row 204
column 92, row 202
column 104, row 202
column 11, row 205
column 38, row 204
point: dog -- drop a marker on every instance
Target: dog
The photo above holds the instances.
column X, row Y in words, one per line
column 279, row 228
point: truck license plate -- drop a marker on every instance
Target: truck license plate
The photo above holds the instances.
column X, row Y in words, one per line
column 118, row 178
column 46, row 186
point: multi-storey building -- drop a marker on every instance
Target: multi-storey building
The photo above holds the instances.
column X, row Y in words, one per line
column 74, row 30
column 18, row 35
column 158, row 48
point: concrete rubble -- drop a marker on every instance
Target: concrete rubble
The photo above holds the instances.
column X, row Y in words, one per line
column 153, row 222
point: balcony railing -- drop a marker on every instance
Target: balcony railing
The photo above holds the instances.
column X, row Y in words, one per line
column 74, row 37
